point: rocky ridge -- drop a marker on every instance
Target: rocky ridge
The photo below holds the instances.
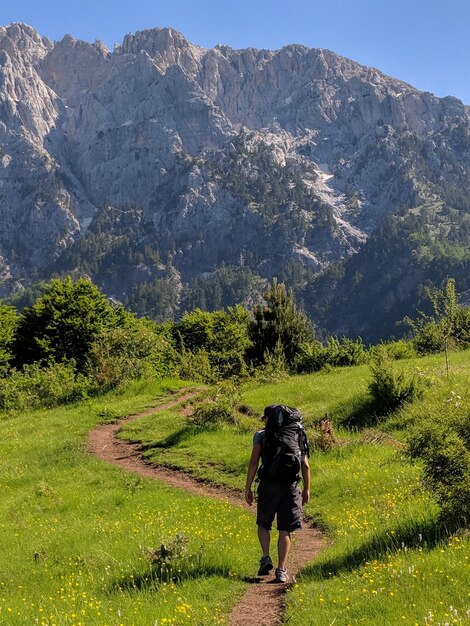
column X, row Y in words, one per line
column 173, row 164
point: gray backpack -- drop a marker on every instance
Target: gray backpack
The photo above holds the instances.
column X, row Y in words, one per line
column 285, row 444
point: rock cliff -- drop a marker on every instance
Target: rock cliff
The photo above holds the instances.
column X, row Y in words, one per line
column 179, row 176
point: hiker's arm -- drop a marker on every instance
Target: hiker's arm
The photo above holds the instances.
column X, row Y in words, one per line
column 305, row 468
column 251, row 473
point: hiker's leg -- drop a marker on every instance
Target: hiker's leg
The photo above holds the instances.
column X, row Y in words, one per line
column 266, row 510
column 264, row 537
column 283, row 545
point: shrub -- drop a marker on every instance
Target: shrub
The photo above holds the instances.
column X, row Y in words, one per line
column 212, row 414
column 312, row 357
column 315, row 356
column 173, row 561
column 278, row 321
column 447, row 327
column 345, row 351
column 8, row 324
column 395, row 350
column 274, row 368
column 322, row 436
column 196, row 366
column 429, row 339
column 221, row 335
column 37, row 386
column 118, row 355
column 462, row 327
column 390, row 388
column 442, row 441
column 220, row 406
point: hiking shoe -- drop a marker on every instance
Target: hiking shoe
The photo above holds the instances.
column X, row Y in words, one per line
column 265, row 566
column 281, row 575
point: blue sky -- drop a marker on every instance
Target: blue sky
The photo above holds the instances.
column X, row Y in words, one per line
column 425, row 42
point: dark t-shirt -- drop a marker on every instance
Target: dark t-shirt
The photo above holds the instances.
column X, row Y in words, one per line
column 260, row 437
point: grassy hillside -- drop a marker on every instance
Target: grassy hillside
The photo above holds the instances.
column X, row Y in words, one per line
column 389, row 561
column 76, row 534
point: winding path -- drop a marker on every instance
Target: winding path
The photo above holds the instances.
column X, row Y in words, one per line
column 263, row 603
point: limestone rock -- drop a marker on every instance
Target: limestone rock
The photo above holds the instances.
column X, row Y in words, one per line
column 286, row 158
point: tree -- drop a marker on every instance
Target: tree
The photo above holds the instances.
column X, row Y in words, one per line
column 449, row 323
column 445, row 309
column 63, row 323
column 279, row 322
column 8, row 324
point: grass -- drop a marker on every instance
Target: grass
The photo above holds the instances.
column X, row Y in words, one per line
column 388, row 562
column 221, row 455
column 76, row 534
column 337, row 392
column 408, row 586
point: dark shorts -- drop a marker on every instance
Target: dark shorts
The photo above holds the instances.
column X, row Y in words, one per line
column 282, row 500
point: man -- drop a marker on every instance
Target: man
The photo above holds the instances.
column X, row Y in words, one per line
column 285, row 500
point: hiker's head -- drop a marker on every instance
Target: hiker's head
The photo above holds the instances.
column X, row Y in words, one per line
column 268, row 410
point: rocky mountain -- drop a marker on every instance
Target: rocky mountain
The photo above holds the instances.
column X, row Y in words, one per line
column 177, row 176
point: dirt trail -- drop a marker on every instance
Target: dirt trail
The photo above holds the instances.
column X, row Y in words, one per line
column 263, row 603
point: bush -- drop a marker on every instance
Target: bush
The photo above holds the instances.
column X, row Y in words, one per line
column 442, row 441
column 395, row 350
column 219, row 407
column 429, row 339
column 322, row 436
column 63, row 323
column 37, row 386
column 390, row 388
column 461, row 332
column 172, row 561
column 8, row 324
column 212, row 415
column 345, row 351
column 314, row 356
column 121, row 354
column 278, row 321
column 274, row 368
column 221, row 335
column 197, row 366
column 448, row 327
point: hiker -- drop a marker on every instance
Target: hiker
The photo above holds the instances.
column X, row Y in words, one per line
column 283, row 449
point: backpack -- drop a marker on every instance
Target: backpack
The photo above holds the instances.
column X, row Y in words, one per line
column 285, row 444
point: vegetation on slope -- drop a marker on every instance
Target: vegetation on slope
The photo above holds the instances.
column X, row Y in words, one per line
column 391, row 490
column 79, row 538
column 392, row 559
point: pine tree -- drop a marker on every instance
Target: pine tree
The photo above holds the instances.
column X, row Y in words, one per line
column 279, row 322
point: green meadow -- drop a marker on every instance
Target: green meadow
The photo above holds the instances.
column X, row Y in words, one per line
column 84, row 543
column 388, row 560
column 81, row 541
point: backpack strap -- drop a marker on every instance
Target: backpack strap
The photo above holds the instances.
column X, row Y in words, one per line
column 303, row 442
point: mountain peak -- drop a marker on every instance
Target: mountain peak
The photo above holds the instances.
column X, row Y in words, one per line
column 154, row 40
column 166, row 46
column 20, row 29
column 25, row 39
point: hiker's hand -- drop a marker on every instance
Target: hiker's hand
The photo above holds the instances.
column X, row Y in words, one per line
column 249, row 496
column 305, row 496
